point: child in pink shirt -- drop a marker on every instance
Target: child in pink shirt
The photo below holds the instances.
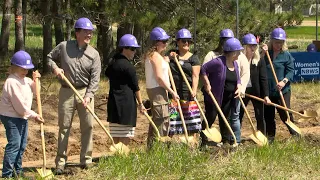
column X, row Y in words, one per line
column 15, row 110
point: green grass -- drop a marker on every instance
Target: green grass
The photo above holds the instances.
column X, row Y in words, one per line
column 311, row 18
column 301, row 32
column 294, row 159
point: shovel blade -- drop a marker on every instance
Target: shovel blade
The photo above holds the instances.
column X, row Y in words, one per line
column 310, row 114
column 120, row 148
column 261, row 137
column 213, row 134
column 45, row 173
column 293, row 126
column 164, row 139
column 189, row 140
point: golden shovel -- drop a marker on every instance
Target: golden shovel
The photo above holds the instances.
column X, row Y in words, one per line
column 223, row 117
column 115, row 148
column 187, row 139
column 44, row 172
column 304, row 116
column 159, row 137
column 288, row 122
column 212, row 133
column 257, row 136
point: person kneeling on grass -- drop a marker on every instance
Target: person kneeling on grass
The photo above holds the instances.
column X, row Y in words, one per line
column 15, row 110
column 123, row 92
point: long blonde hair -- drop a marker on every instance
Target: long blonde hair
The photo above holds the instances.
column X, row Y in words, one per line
column 284, row 46
column 256, row 56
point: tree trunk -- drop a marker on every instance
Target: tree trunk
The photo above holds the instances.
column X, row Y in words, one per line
column 47, row 37
column 105, row 40
column 24, row 12
column 69, row 21
column 5, row 28
column 124, row 28
column 58, row 27
column 19, row 44
column 138, row 33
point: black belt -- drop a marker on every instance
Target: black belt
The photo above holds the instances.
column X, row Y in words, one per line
column 66, row 86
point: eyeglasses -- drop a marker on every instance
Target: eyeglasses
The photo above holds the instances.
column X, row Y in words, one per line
column 131, row 48
column 186, row 41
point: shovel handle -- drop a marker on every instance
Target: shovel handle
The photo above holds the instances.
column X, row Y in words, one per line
column 276, row 105
column 190, row 89
column 41, row 124
column 152, row 123
column 89, row 108
column 276, row 80
column 179, row 106
column 247, row 113
column 222, row 116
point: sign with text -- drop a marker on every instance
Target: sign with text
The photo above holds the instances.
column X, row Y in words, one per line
column 306, row 66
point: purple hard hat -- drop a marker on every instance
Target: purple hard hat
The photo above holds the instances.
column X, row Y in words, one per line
column 22, row 59
column 183, row 34
column 278, row 33
column 128, row 40
column 83, row 23
column 226, row 33
column 249, row 39
column 232, row 44
column 158, row 34
column 312, row 48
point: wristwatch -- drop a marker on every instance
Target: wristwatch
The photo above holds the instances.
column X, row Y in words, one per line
column 285, row 81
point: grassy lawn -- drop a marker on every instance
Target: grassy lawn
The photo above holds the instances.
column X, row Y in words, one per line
column 293, row 159
column 311, row 18
column 301, row 32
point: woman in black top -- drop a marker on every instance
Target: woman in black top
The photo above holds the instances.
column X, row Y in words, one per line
column 124, row 90
column 191, row 67
column 258, row 84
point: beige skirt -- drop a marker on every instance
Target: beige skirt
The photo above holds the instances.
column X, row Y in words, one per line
column 119, row 130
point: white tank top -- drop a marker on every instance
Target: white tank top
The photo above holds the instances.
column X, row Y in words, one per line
column 151, row 81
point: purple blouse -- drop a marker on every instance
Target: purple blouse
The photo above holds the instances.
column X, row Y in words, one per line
column 216, row 72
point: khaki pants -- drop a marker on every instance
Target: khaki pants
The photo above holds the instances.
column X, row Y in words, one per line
column 68, row 103
column 160, row 112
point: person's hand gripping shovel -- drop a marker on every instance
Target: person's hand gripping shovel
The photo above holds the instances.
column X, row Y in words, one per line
column 119, row 148
column 212, row 133
column 288, row 122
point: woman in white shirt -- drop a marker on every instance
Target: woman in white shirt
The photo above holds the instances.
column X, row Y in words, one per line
column 157, row 81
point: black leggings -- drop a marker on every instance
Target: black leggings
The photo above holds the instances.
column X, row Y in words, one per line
column 269, row 114
column 258, row 113
column 212, row 112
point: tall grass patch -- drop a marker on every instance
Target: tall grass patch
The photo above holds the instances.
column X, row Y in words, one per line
column 291, row 159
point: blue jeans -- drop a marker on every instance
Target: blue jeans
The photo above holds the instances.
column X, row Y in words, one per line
column 235, row 121
column 17, row 133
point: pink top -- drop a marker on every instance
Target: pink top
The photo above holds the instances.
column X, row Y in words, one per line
column 17, row 95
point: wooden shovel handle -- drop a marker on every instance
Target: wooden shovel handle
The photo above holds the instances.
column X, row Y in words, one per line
column 88, row 107
column 190, row 89
column 276, row 80
column 222, row 116
column 276, row 105
column 179, row 105
column 41, row 124
column 247, row 113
